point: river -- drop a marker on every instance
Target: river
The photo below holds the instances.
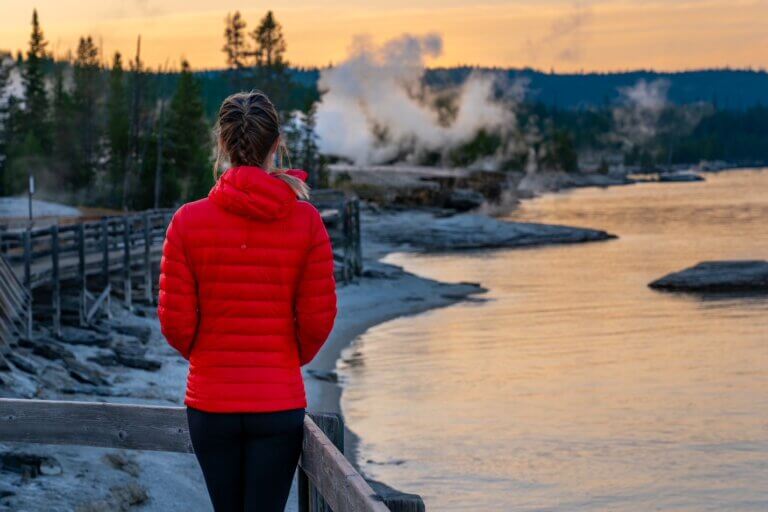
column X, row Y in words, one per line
column 574, row 386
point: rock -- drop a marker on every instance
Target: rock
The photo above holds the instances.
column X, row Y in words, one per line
column 405, row 501
column 54, row 377
column 129, row 495
column 718, row 276
column 4, row 365
column 50, row 467
column 50, row 349
column 142, row 332
column 84, row 373
column 464, row 199
column 139, row 362
column 679, row 177
column 22, row 363
column 107, row 359
column 129, row 349
column 132, row 356
column 77, row 336
column 86, row 389
column 121, row 498
column 29, row 464
column 462, row 232
column 123, row 462
column 378, row 274
column 326, row 376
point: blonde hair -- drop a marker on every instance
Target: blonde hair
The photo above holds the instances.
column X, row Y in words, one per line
column 247, row 130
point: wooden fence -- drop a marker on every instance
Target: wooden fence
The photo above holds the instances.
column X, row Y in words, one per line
column 119, row 256
column 327, row 481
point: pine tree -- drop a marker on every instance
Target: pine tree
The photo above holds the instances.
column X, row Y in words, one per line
column 270, row 65
column 134, row 165
column 270, row 43
column 118, row 128
column 35, row 98
column 5, row 121
column 85, row 96
column 310, row 158
column 65, row 140
column 188, row 138
column 235, row 46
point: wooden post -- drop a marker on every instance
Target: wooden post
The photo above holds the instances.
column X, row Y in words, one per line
column 356, row 238
column 148, row 259
column 28, row 278
column 56, row 283
column 332, row 426
column 303, row 486
column 105, row 250
column 81, row 271
column 127, row 262
column 349, row 249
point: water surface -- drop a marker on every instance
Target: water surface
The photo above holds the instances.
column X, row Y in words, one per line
column 576, row 387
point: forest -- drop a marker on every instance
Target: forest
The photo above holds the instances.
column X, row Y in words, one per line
column 125, row 136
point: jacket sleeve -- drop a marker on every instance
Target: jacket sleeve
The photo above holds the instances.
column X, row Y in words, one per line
column 315, row 309
column 177, row 303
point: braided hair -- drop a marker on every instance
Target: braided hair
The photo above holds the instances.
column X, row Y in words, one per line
column 248, row 133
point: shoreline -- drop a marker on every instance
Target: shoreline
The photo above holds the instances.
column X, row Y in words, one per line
column 366, row 304
column 323, row 388
column 173, row 481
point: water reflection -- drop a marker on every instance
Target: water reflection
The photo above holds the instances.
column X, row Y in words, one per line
column 577, row 387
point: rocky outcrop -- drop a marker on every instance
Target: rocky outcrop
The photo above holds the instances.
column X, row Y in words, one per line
column 679, row 177
column 718, row 276
column 421, row 231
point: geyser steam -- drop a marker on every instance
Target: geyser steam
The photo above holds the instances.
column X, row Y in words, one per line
column 376, row 109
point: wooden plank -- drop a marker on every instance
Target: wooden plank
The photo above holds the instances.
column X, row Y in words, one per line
column 148, row 288
column 158, row 428
column 55, row 279
column 134, row 427
column 127, row 262
column 343, row 488
column 104, row 225
column 98, row 303
column 81, row 277
column 28, row 280
column 332, row 425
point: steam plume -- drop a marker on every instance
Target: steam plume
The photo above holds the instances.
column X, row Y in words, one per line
column 375, row 108
column 636, row 118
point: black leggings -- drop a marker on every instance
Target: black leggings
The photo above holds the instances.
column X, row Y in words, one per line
column 248, row 459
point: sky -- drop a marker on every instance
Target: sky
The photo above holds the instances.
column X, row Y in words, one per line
column 560, row 35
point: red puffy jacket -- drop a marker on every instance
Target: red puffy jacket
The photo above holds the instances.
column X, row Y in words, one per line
column 247, row 292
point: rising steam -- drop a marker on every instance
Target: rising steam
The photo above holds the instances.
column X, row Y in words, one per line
column 376, row 109
column 636, row 118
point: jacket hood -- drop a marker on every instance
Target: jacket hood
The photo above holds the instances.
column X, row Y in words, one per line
column 253, row 192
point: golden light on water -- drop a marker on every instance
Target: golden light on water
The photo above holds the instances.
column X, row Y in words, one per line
column 566, row 36
column 575, row 386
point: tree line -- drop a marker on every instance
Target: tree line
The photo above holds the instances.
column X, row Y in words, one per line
column 125, row 136
column 128, row 137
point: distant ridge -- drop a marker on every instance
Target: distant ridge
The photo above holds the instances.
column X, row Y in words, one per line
column 731, row 89
column 727, row 88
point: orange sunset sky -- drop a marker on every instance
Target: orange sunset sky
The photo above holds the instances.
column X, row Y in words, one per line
column 602, row 35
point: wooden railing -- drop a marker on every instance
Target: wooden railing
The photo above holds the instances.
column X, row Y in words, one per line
column 120, row 255
column 327, row 481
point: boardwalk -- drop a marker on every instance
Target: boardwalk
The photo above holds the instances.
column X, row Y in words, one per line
column 118, row 256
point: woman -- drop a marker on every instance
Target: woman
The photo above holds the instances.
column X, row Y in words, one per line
column 247, row 295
